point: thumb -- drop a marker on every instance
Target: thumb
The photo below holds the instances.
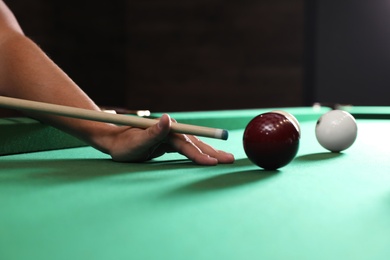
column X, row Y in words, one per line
column 159, row 131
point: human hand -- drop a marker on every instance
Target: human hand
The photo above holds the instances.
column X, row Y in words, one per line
column 137, row 145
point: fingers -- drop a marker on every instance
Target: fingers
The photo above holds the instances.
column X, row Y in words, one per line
column 199, row 152
column 187, row 145
column 221, row 156
column 136, row 145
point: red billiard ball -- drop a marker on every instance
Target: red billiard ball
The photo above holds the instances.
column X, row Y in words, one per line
column 271, row 140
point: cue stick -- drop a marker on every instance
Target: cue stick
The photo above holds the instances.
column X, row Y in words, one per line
column 100, row 116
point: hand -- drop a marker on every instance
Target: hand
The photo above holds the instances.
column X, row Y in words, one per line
column 137, row 145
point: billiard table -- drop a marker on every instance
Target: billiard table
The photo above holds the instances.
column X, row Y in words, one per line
column 61, row 199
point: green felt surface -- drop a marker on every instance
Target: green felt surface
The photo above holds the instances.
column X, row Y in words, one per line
column 22, row 135
column 370, row 112
column 77, row 204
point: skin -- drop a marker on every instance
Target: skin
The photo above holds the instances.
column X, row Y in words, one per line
column 26, row 72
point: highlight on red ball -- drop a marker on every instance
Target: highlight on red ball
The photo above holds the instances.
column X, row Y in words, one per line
column 271, row 140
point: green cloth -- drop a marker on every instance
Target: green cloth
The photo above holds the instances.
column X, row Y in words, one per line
column 77, row 204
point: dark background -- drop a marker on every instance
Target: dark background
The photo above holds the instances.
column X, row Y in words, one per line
column 350, row 52
column 181, row 55
column 174, row 55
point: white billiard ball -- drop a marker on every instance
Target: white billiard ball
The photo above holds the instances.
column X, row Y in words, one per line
column 336, row 130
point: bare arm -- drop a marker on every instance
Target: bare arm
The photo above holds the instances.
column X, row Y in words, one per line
column 27, row 72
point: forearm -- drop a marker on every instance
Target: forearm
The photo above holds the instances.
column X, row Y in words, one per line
column 27, row 73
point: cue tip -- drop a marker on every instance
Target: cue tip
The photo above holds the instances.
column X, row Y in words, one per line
column 225, row 134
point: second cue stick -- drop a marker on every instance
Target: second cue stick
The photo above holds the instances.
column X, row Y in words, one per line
column 80, row 113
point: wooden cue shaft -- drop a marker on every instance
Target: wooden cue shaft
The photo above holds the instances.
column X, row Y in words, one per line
column 80, row 113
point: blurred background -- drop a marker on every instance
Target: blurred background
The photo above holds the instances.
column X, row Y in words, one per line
column 186, row 55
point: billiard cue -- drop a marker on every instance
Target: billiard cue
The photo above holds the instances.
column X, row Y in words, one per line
column 100, row 116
